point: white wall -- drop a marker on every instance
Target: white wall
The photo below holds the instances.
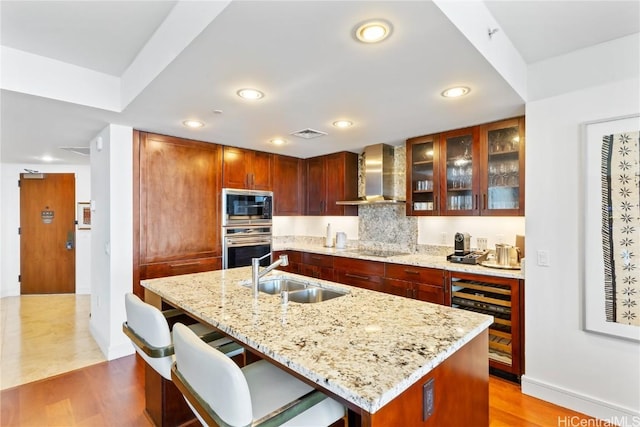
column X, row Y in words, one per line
column 10, row 219
column 112, row 242
column 590, row 373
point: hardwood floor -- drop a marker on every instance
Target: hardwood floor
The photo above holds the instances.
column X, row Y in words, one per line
column 112, row 394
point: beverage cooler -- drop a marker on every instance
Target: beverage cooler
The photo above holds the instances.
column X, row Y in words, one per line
column 502, row 298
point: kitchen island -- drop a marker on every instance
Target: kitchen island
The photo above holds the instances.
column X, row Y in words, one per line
column 373, row 352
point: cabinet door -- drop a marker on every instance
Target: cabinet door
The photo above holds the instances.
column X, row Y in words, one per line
column 236, row 163
column 429, row 293
column 423, row 178
column 316, row 186
column 397, row 287
column 179, row 199
column 460, row 172
column 502, row 160
column 261, row 171
column 288, row 186
column 361, row 273
column 341, row 175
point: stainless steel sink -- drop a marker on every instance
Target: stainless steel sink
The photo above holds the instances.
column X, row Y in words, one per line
column 313, row 294
column 275, row 286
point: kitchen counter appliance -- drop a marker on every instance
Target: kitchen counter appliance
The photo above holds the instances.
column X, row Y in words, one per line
column 246, row 226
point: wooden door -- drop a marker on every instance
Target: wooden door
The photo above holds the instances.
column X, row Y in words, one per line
column 236, row 163
column 261, row 170
column 342, row 182
column 47, row 233
column 287, row 186
column 316, row 186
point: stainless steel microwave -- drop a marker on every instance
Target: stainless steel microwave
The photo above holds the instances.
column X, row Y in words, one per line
column 246, row 207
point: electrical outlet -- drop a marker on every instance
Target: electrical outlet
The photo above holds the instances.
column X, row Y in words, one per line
column 428, row 399
column 543, row 258
column 444, row 238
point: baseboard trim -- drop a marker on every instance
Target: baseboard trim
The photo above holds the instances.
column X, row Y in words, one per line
column 606, row 411
column 110, row 350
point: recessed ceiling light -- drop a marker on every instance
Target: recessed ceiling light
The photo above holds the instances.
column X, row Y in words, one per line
column 193, row 123
column 248, row 93
column 454, row 92
column 373, row 31
column 47, row 158
column 343, row 124
column 278, row 141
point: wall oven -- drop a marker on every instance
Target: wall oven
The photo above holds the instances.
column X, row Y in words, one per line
column 246, row 207
column 241, row 243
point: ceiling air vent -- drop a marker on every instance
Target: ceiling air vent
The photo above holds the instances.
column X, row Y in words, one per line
column 309, row 133
column 83, row 151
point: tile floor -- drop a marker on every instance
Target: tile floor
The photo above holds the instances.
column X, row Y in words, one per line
column 44, row 335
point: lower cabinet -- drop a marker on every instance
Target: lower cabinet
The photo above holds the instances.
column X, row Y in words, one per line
column 317, row 266
column 360, row 273
column 422, row 283
column 295, row 261
column 502, row 298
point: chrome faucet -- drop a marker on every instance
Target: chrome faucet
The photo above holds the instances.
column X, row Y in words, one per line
column 256, row 274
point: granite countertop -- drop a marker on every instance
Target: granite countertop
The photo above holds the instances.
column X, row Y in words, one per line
column 366, row 347
column 417, row 259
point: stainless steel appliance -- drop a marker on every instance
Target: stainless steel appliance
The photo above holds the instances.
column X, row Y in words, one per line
column 246, row 207
column 241, row 243
column 461, row 244
column 246, row 226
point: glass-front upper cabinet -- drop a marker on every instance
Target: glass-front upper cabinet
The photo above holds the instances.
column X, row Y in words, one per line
column 461, row 165
column 502, row 178
column 423, row 183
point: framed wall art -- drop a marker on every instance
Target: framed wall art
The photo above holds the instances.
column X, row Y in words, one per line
column 611, row 234
column 84, row 216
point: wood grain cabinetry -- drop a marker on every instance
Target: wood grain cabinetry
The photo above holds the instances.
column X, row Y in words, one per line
column 317, row 266
column 329, row 179
column 422, row 283
column 295, row 261
column 247, row 169
column 177, row 185
column 464, row 172
column 361, row 273
column 502, row 298
column 288, row 185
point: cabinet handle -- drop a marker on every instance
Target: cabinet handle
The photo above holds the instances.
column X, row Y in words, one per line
column 411, row 271
column 435, row 203
column 484, row 201
column 185, row 264
column 355, row 276
column 476, row 201
column 316, row 257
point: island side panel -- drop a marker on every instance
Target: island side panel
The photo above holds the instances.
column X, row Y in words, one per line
column 461, row 396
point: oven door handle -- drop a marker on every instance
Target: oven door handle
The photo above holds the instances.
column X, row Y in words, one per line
column 243, row 243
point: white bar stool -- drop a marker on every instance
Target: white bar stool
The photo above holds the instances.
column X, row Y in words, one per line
column 148, row 329
column 260, row 394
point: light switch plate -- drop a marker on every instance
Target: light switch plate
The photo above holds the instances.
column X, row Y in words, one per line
column 543, row 258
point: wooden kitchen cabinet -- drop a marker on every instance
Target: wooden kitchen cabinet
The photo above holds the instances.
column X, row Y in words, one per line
column 502, row 298
column 288, row 186
column 177, row 184
column 460, row 172
column 329, row 179
column 423, row 176
column 466, row 172
column 502, row 167
column 247, row 169
column 361, row 273
column 422, row 283
column 317, row 266
column 295, row 261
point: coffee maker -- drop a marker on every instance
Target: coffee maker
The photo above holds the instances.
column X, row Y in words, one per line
column 461, row 244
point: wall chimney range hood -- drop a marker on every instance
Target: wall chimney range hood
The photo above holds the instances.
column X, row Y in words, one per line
column 378, row 174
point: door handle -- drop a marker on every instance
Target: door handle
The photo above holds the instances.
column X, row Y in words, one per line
column 69, row 244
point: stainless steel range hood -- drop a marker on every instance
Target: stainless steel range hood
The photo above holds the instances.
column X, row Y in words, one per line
column 378, row 174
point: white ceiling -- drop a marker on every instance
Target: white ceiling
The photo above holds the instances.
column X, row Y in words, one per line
column 301, row 54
